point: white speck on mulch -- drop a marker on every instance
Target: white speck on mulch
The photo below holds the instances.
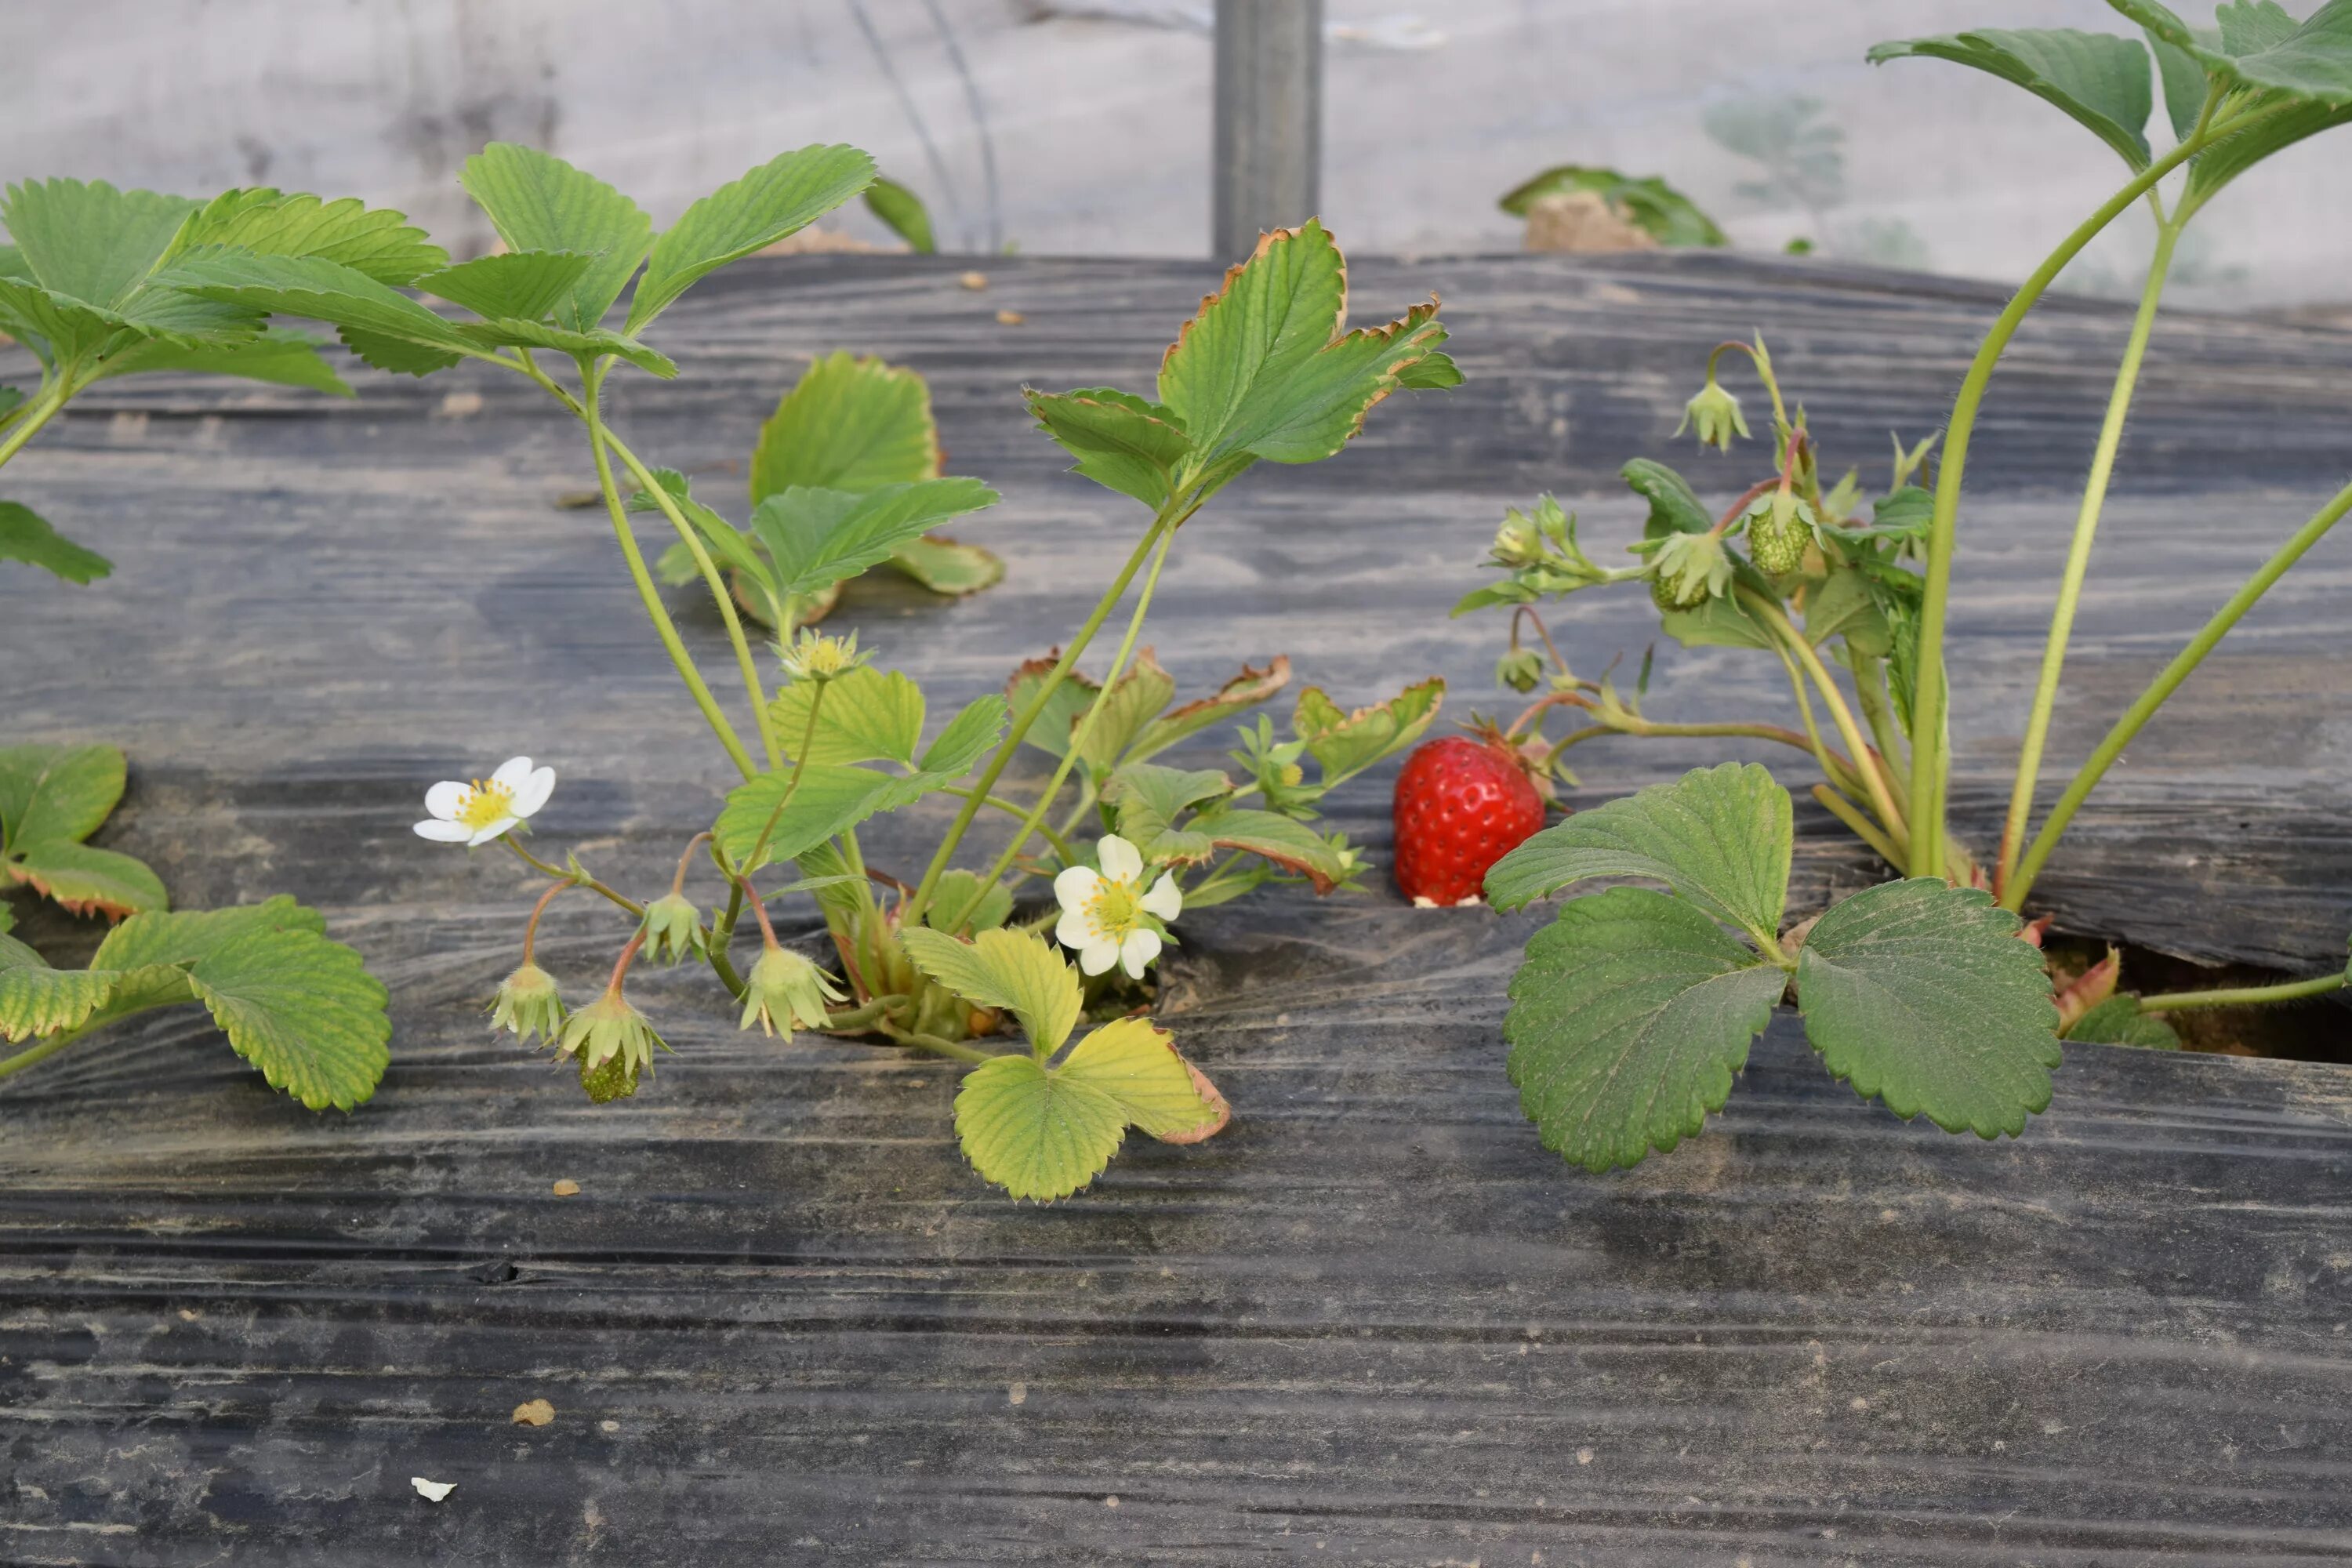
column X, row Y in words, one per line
column 432, row 1492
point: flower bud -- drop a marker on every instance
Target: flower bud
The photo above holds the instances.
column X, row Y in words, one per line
column 1516, row 543
column 1716, row 415
column 785, row 992
column 673, row 929
column 528, row 1005
column 613, row 1043
column 1521, row 670
column 1690, row 569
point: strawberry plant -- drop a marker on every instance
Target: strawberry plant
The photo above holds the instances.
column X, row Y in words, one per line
column 298, row 1006
column 82, row 287
column 1634, row 1009
column 845, row 476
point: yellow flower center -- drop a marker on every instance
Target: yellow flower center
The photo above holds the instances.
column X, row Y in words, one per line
column 485, row 804
column 1112, row 906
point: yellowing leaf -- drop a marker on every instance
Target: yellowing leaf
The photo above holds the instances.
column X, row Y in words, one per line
column 86, row 881
column 1136, row 1063
column 1019, row 972
column 1345, row 743
column 865, row 714
column 1034, row 1132
column 850, row 425
column 302, row 1009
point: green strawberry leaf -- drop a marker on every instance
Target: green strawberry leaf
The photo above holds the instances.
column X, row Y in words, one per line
column 1675, row 506
column 1044, row 1133
column 1051, row 732
column 396, row 356
column 60, row 794
column 1035, row 1133
column 2259, row 46
column 1237, row 696
column 1847, row 604
column 1919, row 993
column 849, row 424
column 774, row 201
column 1345, row 743
column 1142, row 694
column 866, row 714
column 1720, row 837
column 89, row 241
column 903, row 213
column 321, row 289
column 1136, row 1063
column 37, row 1000
column 1628, row 1019
column 302, row 1009
column 26, row 536
column 1716, row 622
column 507, row 332
column 1649, row 204
column 157, row 940
column 84, row 880
column 377, row 243
column 2118, row 1021
column 1150, row 799
column 970, row 735
column 1292, row 845
column 279, row 356
column 944, row 566
column 538, row 201
column 2099, row 81
column 1264, row 371
column 1018, row 971
column 830, row 800
column 518, row 285
column 1120, row 441
column 820, row 537
column 959, row 890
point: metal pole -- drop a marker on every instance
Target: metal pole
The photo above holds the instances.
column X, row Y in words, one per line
column 1267, row 145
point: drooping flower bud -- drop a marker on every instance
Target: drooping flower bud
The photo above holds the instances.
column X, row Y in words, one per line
column 1691, row 568
column 1716, row 415
column 785, row 992
column 528, row 1005
column 1520, row 669
column 613, row 1043
column 673, row 929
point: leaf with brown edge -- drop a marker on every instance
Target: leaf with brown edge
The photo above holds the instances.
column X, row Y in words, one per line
column 86, row 881
column 1142, row 693
column 1223, row 1111
column 1051, row 732
column 1346, row 744
column 1242, row 693
column 1263, row 369
column 1291, row 845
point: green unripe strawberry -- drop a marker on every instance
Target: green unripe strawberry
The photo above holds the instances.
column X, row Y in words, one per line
column 1779, row 535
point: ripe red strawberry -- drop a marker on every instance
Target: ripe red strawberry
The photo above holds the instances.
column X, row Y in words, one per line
column 1463, row 803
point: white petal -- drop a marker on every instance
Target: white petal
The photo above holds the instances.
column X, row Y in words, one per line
column 1119, row 859
column 1097, row 956
column 511, row 773
column 1077, row 929
column 490, row 832
column 1139, row 949
column 442, row 832
column 1076, row 885
column 533, row 792
column 443, row 799
column 1166, row 899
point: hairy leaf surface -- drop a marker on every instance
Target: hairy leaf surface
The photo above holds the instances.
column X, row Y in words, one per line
column 1628, row 1019
column 1919, row 993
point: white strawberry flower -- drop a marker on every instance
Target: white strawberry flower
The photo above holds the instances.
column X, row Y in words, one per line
column 1102, row 912
column 474, row 813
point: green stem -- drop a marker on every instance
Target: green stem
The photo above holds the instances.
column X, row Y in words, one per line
column 2086, row 778
column 923, row 1042
column 34, row 1055
column 1054, row 836
column 1794, row 641
column 2245, row 997
column 1845, row 811
column 650, row 594
column 719, row 594
column 593, row 885
column 912, row 913
column 1870, row 690
column 1930, row 744
column 1078, row 737
column 850, row 1020
column 31, row 418
column 2078, row 559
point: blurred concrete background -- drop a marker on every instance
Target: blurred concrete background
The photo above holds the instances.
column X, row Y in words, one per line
column 1082, row 127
